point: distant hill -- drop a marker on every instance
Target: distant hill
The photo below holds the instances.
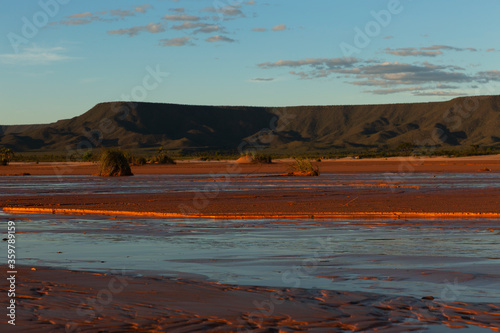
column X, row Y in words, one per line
column 459, row 122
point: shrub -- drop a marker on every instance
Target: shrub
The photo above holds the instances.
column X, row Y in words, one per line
column 114, row 163
column 162, row 157
column 141, row 160
column 6, row 156
column 262, row 158
column 303, row 167
column 88, row 156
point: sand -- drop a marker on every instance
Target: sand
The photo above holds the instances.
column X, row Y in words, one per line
column 61, row 300
column 345, row 165
column 52, row 300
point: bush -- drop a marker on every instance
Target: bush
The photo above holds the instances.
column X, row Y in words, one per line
column 88, row 156
column 262, row 158
column 162, row 157
column 6, row 156
column 114, row 163
column 141, row 160
column 303, row 167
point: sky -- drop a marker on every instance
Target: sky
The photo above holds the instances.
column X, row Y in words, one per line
column 59, row 58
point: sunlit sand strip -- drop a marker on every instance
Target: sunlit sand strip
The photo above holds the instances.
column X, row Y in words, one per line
column 259, row 216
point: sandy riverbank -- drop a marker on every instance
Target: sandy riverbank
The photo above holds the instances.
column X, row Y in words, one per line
column 52, row 300
column 345, row 165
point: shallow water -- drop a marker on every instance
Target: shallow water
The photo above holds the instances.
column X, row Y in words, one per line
column 60, row 185
column 456, row 260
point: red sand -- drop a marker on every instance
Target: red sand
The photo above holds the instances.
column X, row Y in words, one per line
column 393, row 164
column 388, row 203
column 51, row 300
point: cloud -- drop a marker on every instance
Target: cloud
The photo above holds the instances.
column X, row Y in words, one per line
column 429, row 51
column 419, row 79
column 78, row 21
column 251, row 2
column 259, row 79
column 411, row 51
column 35, row 56
column 121, row 13
column 143, row 8
column 259, row 29
column 189, row 25
column 227, row 10
column 209, row 29
column 176, row 41
column 317, row 63
column 388, row 37
column 134, row 31
column 490, row 50
column 88, row 17
column 493, row 75
column 393, row 90
column 449, row 48
column 438, row 93
column 181, row 17
column 395, row 73
column 219, row 38
column 279, row 27
column 80, row 15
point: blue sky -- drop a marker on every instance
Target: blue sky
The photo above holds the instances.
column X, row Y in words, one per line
column 59, row 58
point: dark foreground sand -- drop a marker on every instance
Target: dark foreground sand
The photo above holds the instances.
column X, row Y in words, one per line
column 51, row 300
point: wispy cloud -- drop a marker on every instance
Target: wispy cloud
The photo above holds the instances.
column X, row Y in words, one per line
column 134, row 31
column 143, row 8
column 318, row 63
column 209, row 29
column 279, row 27
column 428, row 51
column 80, row 15
column 181, row 17
column 219, row 38
column 189, row 25
column 493, row 75
column 438, row 93
column 260, row 79
column 35, row 56
column 234, row 10
column 411, row 51
column 104, row 16
column 182, row 41
column 422, row 79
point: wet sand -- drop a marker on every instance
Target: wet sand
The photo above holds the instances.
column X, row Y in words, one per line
column 53, row 300
column 345, row 165
column 62, row 300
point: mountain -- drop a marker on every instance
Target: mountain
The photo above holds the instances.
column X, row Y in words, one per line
column 461, row 121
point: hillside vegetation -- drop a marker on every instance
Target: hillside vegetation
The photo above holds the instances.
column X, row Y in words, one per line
column 461, row 122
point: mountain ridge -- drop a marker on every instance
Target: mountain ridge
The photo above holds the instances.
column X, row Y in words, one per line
column 462, row 121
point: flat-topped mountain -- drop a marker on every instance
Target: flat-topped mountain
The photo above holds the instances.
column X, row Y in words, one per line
column 459, row 122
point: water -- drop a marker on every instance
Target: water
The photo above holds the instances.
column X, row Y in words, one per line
column 450, row 260
column 88, row 185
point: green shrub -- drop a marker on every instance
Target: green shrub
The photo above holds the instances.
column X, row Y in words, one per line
column 6, row 156
column 114, row 163
column 303, row 167
column 88, row 156
column 162, row 157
